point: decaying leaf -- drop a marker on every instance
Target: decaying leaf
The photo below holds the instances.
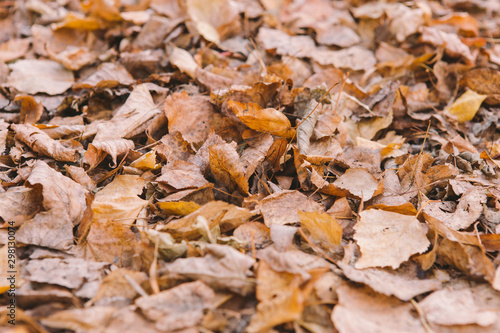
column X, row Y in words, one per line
column 227, row 168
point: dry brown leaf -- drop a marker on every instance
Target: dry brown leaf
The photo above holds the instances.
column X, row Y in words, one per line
column 115, row 242
column 19, row 204
column 281, row 297
column 131, row 119
column 13, row 49
column 26, row 74
column 106, row 72
column 356, row 58
column 163, row 308
column 227, row 168
column 283, row 44
column 363, row 310
column 253, row 156
column 44, row 145
column 388, row 239
column 181, row 175
column 190, row 115
column 282, row 207
column 174, row 147
column 222, row 267
column 118, row 202
column 262, row 120
column 97, row 151
column 146, row 161
column 451, row 42
column 276, row 151
column 115, row 287
column 31, row 110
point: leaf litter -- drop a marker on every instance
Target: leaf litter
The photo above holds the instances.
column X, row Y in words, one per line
column 251, row 166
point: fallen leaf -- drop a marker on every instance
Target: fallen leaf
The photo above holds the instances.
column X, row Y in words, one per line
column 31, row 110
column 44, row 145
column 388, row 239
column 227, row 167
column 26, row 74
column 363, row 310
column 97, row 151
column 118, row 202
column 322, row 227
column 181, row 175
column 465, row 107
column 262, row 120
column 358, row 182
column 282, row 207
column 222, row 267
column 13, row 49
column 402, row 283
column 191, row 116
column 163, row 308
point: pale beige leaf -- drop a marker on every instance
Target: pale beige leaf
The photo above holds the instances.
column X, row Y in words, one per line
column 388, row 239
column 51, row 229
column 461, row 303
column 284, row 44
column 363, row 310
column 132, row 118
column 146, row 161
column 118, row 201
column 26, row 77
column 355, row 58
column 222, row 267
column 359, row 182
column 164, row 309
column 19, row 203
column 42, row 144
column 80, row 320
column 184, row 61
column 80, row 176
column 404, row 284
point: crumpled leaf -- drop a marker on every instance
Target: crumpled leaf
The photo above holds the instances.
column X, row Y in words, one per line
column 19, row 203
column 468, row 210
column 97, row 150
column 222, row 267
column 227, row 167
column 253, row 156
column 31, row 110
column 131, row 118
column 388, row 239
column 118, row 202
column 44, row 145
column 26, row 74
column 466, row 106
column 281, row 297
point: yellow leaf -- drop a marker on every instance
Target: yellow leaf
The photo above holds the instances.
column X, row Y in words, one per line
column 262, row 120
column 322, row 226
column 466, row 106
column 178, row 208
column 146, row 162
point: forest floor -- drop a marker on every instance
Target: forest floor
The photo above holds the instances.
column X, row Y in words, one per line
column 250, row 166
